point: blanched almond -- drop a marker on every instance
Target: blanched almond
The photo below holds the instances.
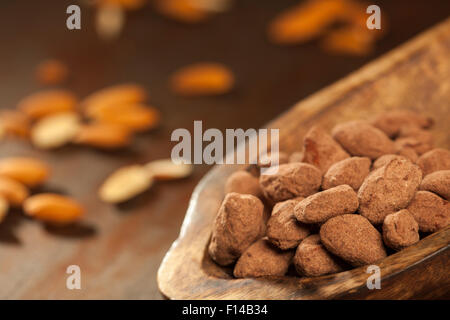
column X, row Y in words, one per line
column 47, row 102
column 56, row 130
column 14, row 123
column 127, row 94
column 4, row 207
column 181, row 10
column 133, row 117
column 103, row 135
column 202, row 79
column 51, row 72
column 53, row 208
column 13, row 191
column 125, row 183
column 166, row 169
column 29, row 171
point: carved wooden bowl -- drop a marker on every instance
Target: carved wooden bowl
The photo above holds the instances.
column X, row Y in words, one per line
column 416, row 76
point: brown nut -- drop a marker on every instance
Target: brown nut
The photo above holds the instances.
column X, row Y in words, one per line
column 263, row 259
column 181, row 10
column 13, row 191
column 437, row 182
column 53, row 208
column 431, row 212
column 296, row 157
column 400, row 230
column 29, row 171
column 420, row 140
column 359, row 138
column 47, row 102
column 391, row 122
column 324, row 205
column 290, row 181
column 385, row 159
column 353, row 238
column 388, row 189
column 14, row 123
column 283, row 230
column 320, row 149
column 202, row 79
column 166, row 169
column 103, row 135
column 265, row 161
column 237, row 225
column 407, row 152
column 434, row 160
column 4, row 207
column 312, row 259
column 50, row 72
column 351, row 171
column 244, row 183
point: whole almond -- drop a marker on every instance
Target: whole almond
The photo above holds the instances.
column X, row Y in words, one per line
column 166, row 169
column 437, row 182
column 133, row 117
column 53, row 208
column 181, row 10
column 13, row 191
column 103, row 135
column 4, row 207
column 124, row 94
column 56, row 130
column 47, row 102
column 125, row 183
column 202, row 79
column 392, row 122
column 29, row 171
column 14, row 123
column 434, row 160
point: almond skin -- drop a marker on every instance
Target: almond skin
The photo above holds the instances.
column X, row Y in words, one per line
column 103, row 135
column 53, row 208
column 125, row 183
column 14, row 192
column 134, row 117
column 56, row 130
column 124, row 94
column 29, row 171
column 47, row 102
column 202, row 79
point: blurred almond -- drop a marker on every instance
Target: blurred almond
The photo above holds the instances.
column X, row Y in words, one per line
column 181, row 10
column 125, row 4
column 11, row 190
column 133, row 117
column 51, row 72
column 213, row 5
column 125, row 183
column 109, row 21
column 305, row 21
column 14, row 123
column 202, row 79
column 29, row 171
column 45, row 103
column 124, row 94
column 103, row 135
column 4, row 207
column 349, row 40
column 56, row 130
column 166, row 169
column 53, row 208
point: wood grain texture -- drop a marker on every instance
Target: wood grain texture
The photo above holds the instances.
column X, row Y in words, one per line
column 416, row 76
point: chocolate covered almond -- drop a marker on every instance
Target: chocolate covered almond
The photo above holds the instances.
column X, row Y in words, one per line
column 434, row 160
column 431, row 212
column 437, row 182
column 351, row 171
column 400, row 230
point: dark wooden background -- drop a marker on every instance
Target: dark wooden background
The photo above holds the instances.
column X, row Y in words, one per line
column 119, row 248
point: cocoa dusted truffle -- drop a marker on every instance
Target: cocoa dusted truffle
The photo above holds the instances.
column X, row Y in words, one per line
column 434, row 160
column 388, row 189
column 283, row 230
column 243, row 182
column 384, row 160
column 321, row 150
column 361, row 139
column 312, row 259
column 353, row 238
column 391, row 122
column 431, row 212
column 324, row 205
column 238, row 224
column 263, row 259
column 437, row 182
column 290, row 181
column 400, row 230
column 351, row 171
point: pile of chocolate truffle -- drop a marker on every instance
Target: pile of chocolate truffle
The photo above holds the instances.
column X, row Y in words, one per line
column 347, row 199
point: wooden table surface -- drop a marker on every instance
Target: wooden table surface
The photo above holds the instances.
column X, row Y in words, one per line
column 119, row 248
